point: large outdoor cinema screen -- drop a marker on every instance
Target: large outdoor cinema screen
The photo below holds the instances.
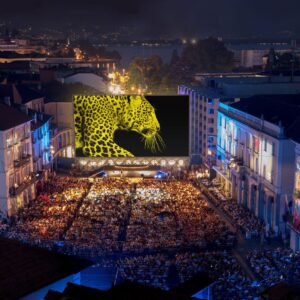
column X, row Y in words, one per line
column 131, row 126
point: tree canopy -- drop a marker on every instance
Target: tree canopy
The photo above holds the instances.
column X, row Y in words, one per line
column 283, row 63
column 205, row 56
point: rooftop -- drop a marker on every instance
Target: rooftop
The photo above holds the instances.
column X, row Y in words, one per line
column 11, row 117
column 27, row 94
column 13, row 91
column 26, row 269
column 276, row 109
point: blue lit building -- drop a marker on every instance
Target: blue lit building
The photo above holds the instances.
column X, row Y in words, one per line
column 40, row 131
column 226, row 88
column 256, row 156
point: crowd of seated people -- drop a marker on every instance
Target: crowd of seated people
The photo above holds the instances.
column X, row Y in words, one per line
column 242, row 217
column 46, row 219
column 275, row 265
column 221, row 266
column 107, row 215
column 96, row 228
column 145, row 269
column 148, row 223
column 229, row 282
column 174, row 214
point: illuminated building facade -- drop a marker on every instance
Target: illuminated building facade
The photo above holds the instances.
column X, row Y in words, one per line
column 61, row 129
column 256, row 156
column 226, row 88
column 295, row 225
column 40, row 131
column 202, row 123
column 16, row 168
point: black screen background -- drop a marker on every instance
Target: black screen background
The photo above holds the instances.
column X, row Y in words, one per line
column 172, row 113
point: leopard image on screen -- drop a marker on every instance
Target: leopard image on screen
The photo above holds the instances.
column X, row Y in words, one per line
column 97, row 117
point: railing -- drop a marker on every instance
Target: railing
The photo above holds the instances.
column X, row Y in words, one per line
column 254, row 122
column 22, row 161
column 25, row 137
column 14, row 191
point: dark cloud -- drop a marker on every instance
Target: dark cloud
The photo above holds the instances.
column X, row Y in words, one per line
column 158, row 17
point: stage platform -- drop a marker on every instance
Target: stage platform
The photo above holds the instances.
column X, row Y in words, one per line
column 118, row 167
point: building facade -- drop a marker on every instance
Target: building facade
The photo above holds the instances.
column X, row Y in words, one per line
column 255, row 163
column 17, row 179
column 295, row 224
column 204, row 103
column 40, row 131
column 202, row 123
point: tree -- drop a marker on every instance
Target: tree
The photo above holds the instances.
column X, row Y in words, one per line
column 287, row 62
column 208, row 55
column 146, row 72
column 205, row 56
column 282, row 64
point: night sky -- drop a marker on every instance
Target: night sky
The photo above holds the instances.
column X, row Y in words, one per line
column 231, row 18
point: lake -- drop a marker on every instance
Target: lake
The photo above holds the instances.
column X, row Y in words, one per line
column 128, row 52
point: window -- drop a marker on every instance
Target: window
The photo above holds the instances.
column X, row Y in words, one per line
column 256, row 164
column 273, row 149
column 211, row 111
column 210, row 139
column 211, row 120
column 210, row 101
column 265, row 145
column 255, row 145
column 210, row 130
column 248, row 159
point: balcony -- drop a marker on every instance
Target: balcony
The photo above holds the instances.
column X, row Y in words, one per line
column 18, row 189
column 221, row 171
column 25, row 137
column 22, row 161
column 11, row 143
